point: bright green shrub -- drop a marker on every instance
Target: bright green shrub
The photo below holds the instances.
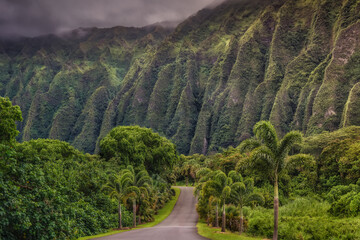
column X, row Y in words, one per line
column 303, row 218
column 345, row 200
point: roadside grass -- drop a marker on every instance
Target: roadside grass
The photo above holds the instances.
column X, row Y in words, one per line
column 159, row 217
column 216, row 234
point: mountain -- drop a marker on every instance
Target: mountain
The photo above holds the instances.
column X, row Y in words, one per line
column 203, row 84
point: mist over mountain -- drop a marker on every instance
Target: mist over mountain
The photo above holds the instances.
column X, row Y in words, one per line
column 32, row 18
column 203, row 84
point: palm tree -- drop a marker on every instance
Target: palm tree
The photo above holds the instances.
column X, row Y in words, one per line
column 203, row 190
column 118, row 188
column 269, row 154
column 203, row 175
column 242, row 194
column 219, row 187
column 140, row 187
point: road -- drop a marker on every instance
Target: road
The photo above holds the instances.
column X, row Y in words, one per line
column 179, row 225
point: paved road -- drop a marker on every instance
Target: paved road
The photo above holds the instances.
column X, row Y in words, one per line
column 179, row 225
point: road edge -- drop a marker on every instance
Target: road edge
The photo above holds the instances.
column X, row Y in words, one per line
column 172, row 203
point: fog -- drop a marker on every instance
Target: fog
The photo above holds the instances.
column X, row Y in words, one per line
column 37, row 17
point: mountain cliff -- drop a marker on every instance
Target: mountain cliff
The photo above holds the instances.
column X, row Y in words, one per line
column 203, row 84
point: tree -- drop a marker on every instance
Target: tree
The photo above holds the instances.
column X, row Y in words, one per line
column 139, row 146
column 269, row 155
column 206, row 201
column 189, row 169
column 119, row 188
column 139, row 187
column 9, row 114
column 219, row 187
column 242, row 194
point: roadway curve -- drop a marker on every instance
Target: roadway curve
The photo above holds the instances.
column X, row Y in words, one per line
column 179, row 225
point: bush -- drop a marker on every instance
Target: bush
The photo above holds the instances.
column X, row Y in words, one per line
column 345, row 200
column 303, row 219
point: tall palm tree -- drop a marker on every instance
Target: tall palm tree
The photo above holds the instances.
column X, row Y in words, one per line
column 118, row 188
column 269, row 154
column 242, row 194
column 140, row 186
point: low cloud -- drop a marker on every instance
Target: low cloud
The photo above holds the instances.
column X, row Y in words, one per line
column 37, row 17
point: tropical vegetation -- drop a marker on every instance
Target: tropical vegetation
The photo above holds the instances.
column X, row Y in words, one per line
column 50, row 190
column 308, row 181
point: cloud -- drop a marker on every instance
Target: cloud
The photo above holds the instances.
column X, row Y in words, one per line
column 37, row 17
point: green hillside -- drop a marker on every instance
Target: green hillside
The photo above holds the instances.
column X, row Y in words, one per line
column 203, row 85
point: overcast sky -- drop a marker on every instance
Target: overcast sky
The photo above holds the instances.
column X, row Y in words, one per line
column 37, row 17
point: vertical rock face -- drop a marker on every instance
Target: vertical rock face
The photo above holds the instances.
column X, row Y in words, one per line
column 203, row 85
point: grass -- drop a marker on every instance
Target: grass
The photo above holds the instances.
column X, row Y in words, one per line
column 159, row 217
column 216, row 234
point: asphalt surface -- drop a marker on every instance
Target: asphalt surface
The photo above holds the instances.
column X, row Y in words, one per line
column 179, row 225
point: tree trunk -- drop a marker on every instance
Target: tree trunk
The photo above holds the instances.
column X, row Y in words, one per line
column 208, row 219
column 120, row 224
column 276, row 208
column 217, row 215
column 223, row 219
column 134, row 213
column 241, row 221
column 187, row 181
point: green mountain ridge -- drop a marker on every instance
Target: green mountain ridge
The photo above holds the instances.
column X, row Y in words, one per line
column 203, row 84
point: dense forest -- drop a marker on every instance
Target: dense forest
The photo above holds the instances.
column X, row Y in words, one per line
column 50, row 190
column 203, row 84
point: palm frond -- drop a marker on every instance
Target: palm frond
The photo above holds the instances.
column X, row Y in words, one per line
column 266, row 132
column 235, row 176
column 288, row 141
column 132, row 190
column 248, row 145
column 237, row 193
column 203, row 172
column 226, row 192
column 221, row 178
column 262, row 157
column 256, row 198
column 249, row 183
column 238, row 188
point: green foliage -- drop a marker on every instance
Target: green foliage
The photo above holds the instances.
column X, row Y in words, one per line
column 50, row 190
column 118, row 188
column 345, row 200
column 349, row 163
column 313, row 204
column 139, row 146
column 9, row 114
column 49, row 187
column 303, row 219
column 336, row 157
